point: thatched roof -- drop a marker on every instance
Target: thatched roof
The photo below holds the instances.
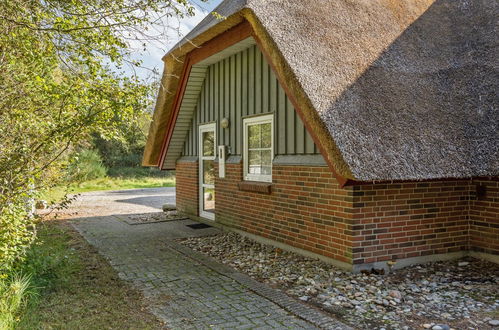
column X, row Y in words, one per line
column 393, row 89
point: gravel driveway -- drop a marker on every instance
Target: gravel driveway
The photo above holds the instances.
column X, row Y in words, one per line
column 101, row 203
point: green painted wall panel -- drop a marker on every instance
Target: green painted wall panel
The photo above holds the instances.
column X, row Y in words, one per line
column 226, row 96
column 242, row 85
column 281, row 121
column 251, row 82
column 245, row 81
column 299, row 136
column 239, row 105
column 233, row 103
column 258, row 85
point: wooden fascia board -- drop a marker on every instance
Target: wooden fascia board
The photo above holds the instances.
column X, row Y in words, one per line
column 176, row 108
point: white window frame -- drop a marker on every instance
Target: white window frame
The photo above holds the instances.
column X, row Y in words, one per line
column 257, row 120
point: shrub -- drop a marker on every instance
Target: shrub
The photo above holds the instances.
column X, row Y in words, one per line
column 124, row 151
column 17, row 232
column 86, row 165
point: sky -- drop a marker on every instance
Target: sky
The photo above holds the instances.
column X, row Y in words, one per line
column 155, row 50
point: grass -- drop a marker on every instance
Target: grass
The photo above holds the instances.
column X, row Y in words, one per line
column 117, row 179
column 75, row 287
column 14, row 292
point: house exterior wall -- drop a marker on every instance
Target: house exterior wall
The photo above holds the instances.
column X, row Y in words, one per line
column 244, row 85
column 307, row 209
column 484, row 217
column 359, row 225
column 406, row 220
column 187, row 188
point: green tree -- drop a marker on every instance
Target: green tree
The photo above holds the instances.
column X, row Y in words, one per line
column 61, row 80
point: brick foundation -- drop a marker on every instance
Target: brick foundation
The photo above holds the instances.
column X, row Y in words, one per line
column 484, row 217
column 357, row 225
column 405, row 220
column 306, row 209
column 187, row 194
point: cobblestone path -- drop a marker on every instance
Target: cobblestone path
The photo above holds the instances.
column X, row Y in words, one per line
column 185, row 289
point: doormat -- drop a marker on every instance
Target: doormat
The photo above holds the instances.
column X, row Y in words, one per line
column 147, row 218
column 199, row 226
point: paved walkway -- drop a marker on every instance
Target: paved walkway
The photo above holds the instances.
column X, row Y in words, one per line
column 185, row 289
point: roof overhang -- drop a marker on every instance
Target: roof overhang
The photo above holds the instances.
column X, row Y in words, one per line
column 377, row 90
column 180, row 63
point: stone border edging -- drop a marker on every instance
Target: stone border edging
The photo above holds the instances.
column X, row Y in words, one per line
column 278, row 297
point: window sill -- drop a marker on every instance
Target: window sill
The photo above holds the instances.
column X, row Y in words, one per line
column 255, row 186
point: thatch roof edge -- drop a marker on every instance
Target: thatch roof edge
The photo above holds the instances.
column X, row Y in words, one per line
column 389, row 91
column 174, row 62
column 300, row 100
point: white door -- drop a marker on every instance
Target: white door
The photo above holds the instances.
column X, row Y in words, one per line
column 207, row 155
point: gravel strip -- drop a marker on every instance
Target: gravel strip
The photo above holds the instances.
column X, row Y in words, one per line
column 459, row 294
column 146, row 218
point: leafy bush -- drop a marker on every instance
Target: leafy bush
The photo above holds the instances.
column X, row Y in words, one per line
column 126, row 148
column 86, row 165
column 17, row 232
column 128, row 160
column 57, row 87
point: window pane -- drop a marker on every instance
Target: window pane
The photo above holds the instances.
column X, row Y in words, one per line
column 266, row 157
column 254, row 161
column 208, row 143
column 266, row 170
column 266, row 135
column 208, row 172
column 209, row 199
column 254, row 136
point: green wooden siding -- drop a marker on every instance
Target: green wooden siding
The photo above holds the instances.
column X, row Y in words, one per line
column 244, row 85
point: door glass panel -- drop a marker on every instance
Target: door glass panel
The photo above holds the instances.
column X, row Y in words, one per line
column 208, row 172
column 209, row 143
column 207, row 153
column 209, row 199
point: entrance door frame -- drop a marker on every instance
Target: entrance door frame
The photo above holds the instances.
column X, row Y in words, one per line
column 210, row 127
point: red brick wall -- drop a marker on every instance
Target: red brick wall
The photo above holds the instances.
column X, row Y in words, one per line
column 362, row 224
column 484, row 217
column 186, row 176
column 306, row 209
column 403, row 220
